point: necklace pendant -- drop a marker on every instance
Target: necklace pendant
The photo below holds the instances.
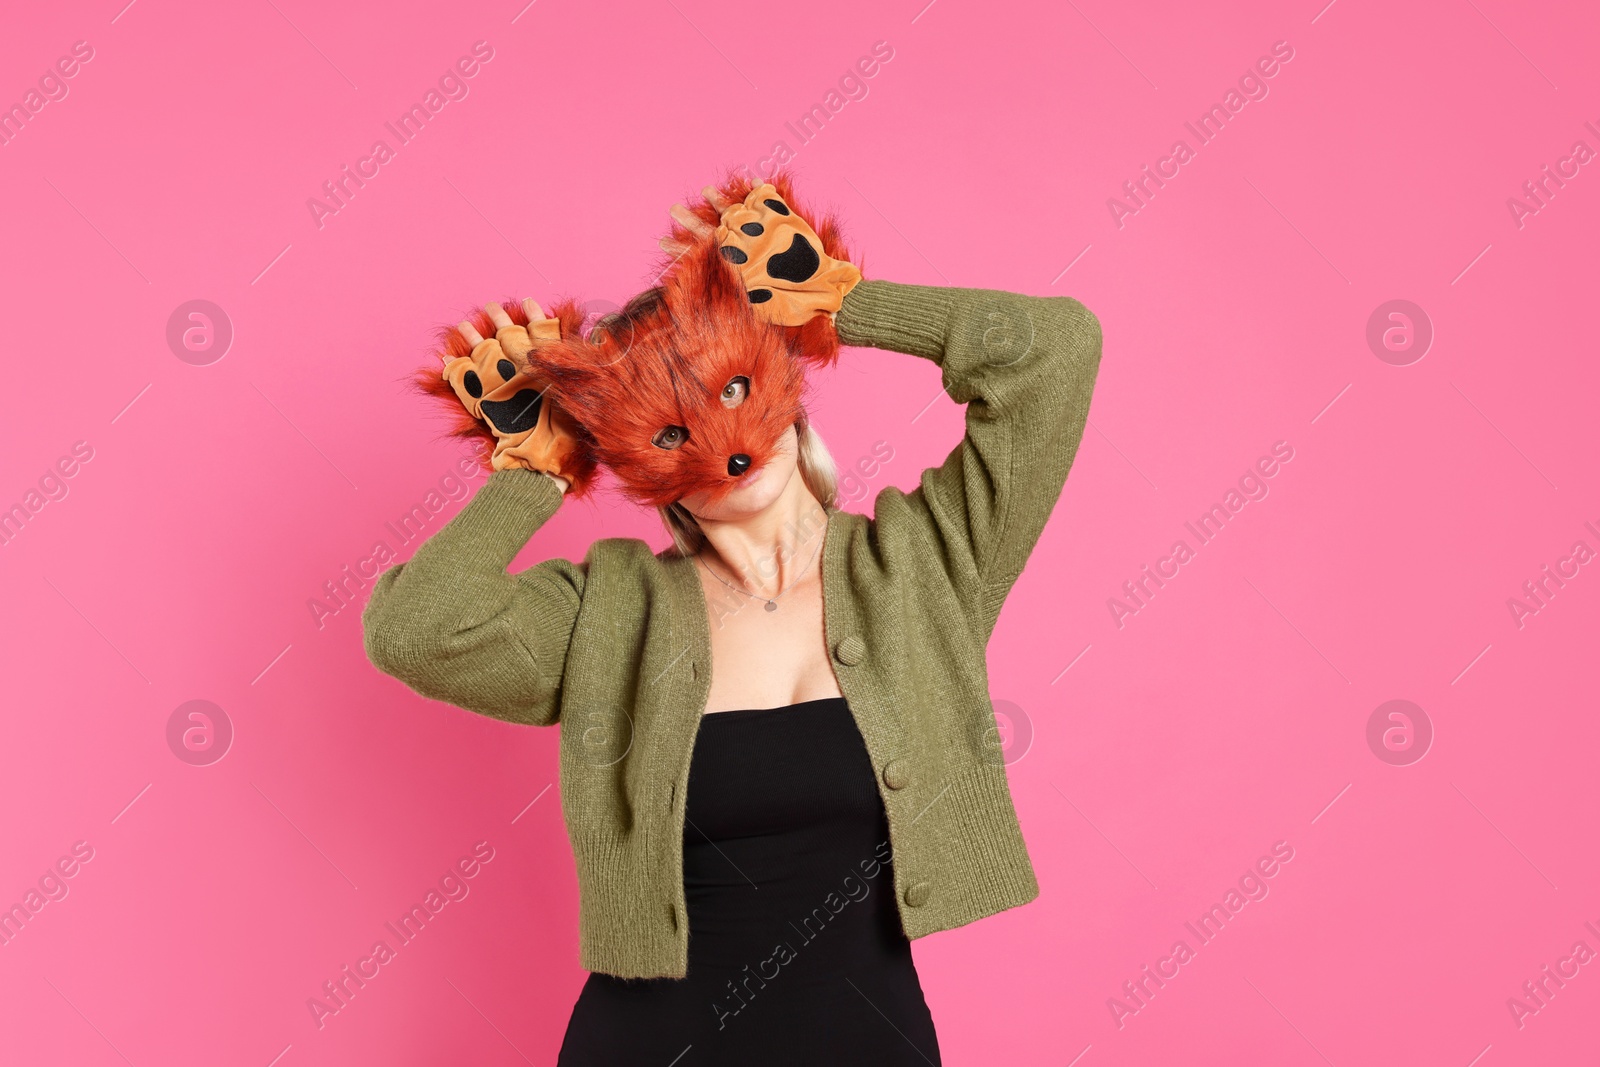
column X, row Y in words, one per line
column 772, row 605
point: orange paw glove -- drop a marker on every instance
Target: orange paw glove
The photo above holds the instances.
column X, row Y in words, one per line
column 778, row 255
column 496, row 385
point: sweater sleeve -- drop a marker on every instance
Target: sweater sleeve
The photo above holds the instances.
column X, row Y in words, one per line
column 1025, row 367
column 452, row 624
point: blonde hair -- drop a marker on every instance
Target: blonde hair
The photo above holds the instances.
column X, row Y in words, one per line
column 817, row 470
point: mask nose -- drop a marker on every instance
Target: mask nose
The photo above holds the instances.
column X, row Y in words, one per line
column 738, row 463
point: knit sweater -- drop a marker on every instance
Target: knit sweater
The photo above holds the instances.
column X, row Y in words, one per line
column 617, row 650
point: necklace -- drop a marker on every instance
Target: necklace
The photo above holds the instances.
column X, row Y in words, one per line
column 772, row 601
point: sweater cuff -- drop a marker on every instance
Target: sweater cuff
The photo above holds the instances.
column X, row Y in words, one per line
column 896, row 317
column 505, row 512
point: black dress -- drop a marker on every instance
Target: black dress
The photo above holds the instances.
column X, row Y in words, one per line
column 796, row 954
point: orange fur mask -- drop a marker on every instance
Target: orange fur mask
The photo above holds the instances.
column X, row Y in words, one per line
column 685, row 390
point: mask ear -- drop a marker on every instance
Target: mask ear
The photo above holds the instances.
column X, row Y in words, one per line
column 703, row 283
column 701, row 293
column 586, row 369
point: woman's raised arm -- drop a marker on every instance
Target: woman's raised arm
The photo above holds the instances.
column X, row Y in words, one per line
column 1025, row 367
column 453, row 625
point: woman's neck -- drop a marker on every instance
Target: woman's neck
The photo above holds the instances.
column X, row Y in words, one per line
column 769, row 550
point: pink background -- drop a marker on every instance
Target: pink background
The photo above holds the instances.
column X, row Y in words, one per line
column 1228, row 714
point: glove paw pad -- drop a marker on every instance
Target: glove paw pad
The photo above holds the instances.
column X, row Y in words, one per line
column 797, row 264
column 781, row 259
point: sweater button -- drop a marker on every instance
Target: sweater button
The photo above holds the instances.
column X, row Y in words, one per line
column 917, row 894
column 672, row 916
column 896, row 774
column 851, row 650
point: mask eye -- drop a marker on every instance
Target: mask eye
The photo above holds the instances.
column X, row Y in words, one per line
column 670, row 437
column 735, row 391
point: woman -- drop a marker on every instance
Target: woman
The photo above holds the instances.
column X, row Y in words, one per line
column 777, row 757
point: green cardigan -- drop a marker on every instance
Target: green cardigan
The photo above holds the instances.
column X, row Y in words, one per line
column 618, row 649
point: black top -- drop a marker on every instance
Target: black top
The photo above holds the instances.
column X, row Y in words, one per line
column 796, row 954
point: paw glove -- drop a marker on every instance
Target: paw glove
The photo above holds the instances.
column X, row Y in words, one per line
column 496, row 385
column 781, row 260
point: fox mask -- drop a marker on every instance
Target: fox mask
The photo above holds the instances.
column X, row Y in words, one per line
column 684, row 390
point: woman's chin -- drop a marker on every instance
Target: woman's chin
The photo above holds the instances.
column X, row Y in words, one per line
column 756, row 492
